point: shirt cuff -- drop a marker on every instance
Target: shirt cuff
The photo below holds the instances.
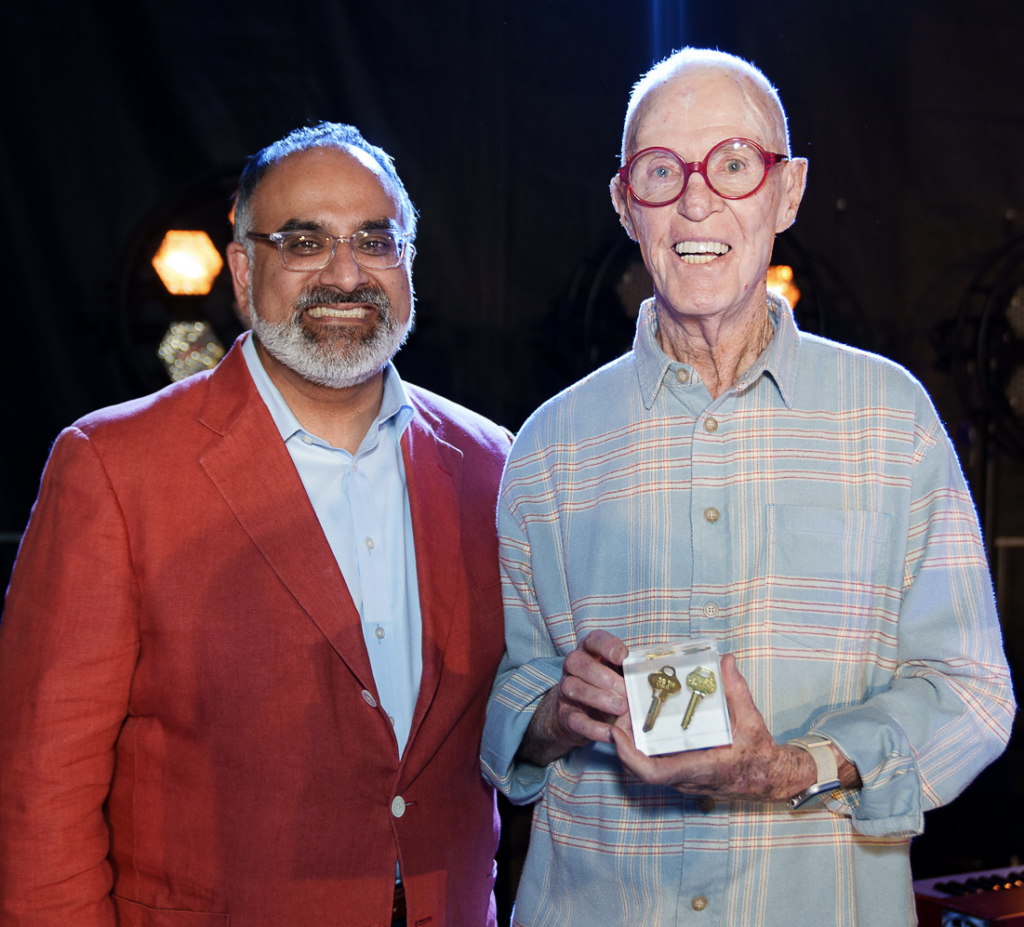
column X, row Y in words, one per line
column 510, row 710
column 888, row 803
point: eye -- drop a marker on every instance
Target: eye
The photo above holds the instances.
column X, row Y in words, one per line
column 377, row 243
column 733, row 160
column 658, row 169
column 304, row 244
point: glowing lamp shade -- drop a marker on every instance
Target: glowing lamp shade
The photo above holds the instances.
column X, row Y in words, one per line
column 780, row 280
column 187, row 263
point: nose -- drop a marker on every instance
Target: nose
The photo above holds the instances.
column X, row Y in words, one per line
column 343, row 271
column 698, row 200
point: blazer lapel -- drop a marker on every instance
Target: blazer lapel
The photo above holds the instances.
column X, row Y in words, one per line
column 252, row 469
column 434, row 475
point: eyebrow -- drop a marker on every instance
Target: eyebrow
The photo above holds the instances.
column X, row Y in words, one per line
column 312, row 225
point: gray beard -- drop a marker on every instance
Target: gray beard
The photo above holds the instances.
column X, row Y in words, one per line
column 338, row 358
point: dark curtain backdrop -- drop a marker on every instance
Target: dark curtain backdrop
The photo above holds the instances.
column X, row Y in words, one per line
column 504, row 119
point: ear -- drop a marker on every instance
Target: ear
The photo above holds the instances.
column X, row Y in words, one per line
column 620, row 200
column 238, row 262
column 795, row 180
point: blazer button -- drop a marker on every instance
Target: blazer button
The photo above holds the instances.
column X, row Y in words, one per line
column 369, row 699
column 398, row 806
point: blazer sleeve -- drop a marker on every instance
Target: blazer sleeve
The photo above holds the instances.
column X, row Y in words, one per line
column 68, row 646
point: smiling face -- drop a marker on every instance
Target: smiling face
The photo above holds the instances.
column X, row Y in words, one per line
column 709, row 256
column 338, row 326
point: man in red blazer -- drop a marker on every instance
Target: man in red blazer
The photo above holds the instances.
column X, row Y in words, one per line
column 255, row 617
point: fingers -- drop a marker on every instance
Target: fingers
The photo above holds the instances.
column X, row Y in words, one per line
column 675, row 770
column 584, row 704
column 585, row 723
column 605, row 646
column 708, row 771
column 592, row 694
column 591, row 674
column 652, row 770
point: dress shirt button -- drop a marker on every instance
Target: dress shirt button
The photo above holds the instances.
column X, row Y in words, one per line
column 369, row 544
column 306, row 439
column 355, row 465
column 711, row 514
column 699, row 903
column 683, row 375
column 369, row 699
column 392, row 720
column 711, row 610
column 398, row 806
column 378, row 632
column 711, row 425
column 706, row 804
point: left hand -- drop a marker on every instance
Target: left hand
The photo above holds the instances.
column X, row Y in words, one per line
column 754, row 767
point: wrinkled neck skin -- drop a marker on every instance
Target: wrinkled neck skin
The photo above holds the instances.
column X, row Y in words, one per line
column 721, row 347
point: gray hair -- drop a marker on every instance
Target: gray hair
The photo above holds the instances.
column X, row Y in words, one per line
column 323, row 135
column 752, row 81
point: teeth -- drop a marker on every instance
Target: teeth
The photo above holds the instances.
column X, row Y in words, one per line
column 328, row 312
column 685, row 248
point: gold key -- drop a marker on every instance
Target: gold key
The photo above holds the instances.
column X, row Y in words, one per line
column 701, row 682
column 664, row 684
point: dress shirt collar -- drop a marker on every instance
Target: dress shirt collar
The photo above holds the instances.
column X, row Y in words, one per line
column 779, row 359
column 395, row 403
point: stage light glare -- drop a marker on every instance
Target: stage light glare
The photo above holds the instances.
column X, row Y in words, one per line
column 187, row 263
column 780, row 281
column 188, row 348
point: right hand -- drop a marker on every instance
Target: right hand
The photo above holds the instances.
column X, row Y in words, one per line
column 587, row 701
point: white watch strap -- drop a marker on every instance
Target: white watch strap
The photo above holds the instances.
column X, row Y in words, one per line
column 827, row 770
column 820, row 749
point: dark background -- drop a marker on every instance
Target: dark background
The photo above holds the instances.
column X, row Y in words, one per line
column 121, row 120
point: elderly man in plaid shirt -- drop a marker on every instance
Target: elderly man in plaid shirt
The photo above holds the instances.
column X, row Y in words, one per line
column 793, row 499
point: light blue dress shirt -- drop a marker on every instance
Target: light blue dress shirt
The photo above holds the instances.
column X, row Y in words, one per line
column 814, row 521
column 362, row 502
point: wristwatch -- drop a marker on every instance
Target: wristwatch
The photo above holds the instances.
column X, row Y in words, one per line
column 820, row 748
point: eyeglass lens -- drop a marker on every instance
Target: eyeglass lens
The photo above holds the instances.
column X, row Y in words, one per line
column 377, row 249
column 733, row 169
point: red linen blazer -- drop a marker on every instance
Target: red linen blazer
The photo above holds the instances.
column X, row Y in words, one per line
column 189, row 727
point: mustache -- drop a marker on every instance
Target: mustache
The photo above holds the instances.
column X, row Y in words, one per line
column 325, row 295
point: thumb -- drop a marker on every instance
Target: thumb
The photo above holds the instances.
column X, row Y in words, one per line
column 737, row 692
